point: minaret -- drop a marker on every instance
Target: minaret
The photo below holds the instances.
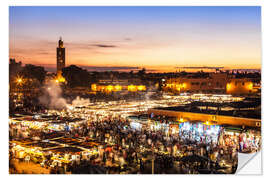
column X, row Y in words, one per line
column 60, row 60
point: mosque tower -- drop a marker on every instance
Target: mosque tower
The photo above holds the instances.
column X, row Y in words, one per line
column 60, row 61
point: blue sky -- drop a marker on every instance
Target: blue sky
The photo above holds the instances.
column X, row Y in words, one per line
column 140, row 36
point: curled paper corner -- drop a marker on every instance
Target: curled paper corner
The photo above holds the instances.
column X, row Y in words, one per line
column 250, row 163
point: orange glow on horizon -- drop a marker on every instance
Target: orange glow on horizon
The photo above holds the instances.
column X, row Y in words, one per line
column 165, row 59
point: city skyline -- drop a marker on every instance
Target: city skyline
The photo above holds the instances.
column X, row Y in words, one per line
column 157, row 38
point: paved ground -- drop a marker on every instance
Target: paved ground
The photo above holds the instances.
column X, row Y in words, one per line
column 28, row 168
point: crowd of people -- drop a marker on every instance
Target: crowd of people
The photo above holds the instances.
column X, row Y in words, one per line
column 246, row 141
column 123, row 149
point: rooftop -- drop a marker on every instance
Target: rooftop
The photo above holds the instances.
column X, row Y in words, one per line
column 239, row 109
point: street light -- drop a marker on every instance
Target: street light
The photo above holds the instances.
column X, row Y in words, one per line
column 19, row 81
column 181, row 120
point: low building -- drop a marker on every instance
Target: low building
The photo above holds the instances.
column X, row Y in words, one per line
column 216, row 83
column 247, row 118
column 117, row 85
column 240, row 86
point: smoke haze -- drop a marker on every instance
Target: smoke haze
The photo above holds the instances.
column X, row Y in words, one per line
column 80, row 101
column 52, row 97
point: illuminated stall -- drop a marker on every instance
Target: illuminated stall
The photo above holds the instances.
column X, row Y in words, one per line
column 136, row 125
column 248, row 140
column 157, row 126
column 199, row 131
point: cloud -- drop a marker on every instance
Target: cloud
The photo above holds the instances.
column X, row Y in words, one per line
column 31, row 51
column 117, row 68
column 104, row 45
column 44, row 53
column 110, row 68
column 89, row 45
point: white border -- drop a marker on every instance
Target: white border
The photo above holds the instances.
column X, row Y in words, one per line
column 138, row 2
column 4, row 72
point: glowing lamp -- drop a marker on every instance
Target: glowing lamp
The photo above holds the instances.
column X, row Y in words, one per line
column 94, row 87
column 19, row 80
column 109, row 88
column 184, row 85
column 61, row 79
column 131, row 88
column 250, row 86
column 181, row 120
column 118, row 88
column 141, row 88
column 228, row 86
column 178, row 87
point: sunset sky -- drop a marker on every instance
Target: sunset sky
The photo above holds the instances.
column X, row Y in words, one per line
column 158, row 38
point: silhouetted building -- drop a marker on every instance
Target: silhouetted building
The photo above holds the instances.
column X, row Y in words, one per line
column 14, row 67
column 60, row 57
